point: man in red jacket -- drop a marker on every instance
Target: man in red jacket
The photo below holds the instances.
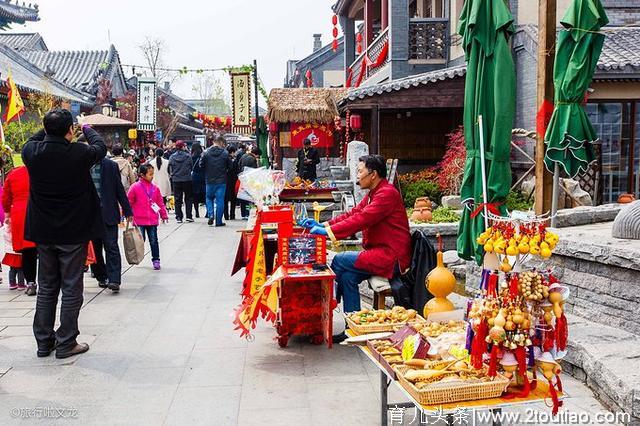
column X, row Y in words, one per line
column 382, row 218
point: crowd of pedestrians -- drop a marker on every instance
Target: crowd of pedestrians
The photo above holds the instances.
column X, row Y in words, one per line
column 62, row 211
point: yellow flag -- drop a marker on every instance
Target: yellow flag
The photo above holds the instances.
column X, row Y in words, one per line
column 15, row 106
column 259, row 273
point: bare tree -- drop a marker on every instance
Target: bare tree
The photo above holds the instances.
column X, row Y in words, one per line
column 208, row 89
column 154, row 50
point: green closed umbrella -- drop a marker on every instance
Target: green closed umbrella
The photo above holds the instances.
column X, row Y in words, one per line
column 262, row 140
column 570, row 134
column 490, row 86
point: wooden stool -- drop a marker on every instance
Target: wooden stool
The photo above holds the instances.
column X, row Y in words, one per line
column 381, row 290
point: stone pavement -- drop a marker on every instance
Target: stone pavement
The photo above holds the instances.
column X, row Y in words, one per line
column 163, row 351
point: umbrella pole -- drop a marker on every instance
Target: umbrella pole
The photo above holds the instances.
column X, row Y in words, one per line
column 484, row 173
column 554, row 194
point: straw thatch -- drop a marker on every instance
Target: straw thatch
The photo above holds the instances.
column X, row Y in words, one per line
column 309, row 105
column 100, row 120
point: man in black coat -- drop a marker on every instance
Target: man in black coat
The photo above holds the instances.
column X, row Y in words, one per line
column 63, row 215
column 308, row 159
column 106, row 179
column 215, row 162
column 180, row 167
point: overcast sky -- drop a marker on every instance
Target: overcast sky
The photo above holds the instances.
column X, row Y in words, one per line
column 198, row 33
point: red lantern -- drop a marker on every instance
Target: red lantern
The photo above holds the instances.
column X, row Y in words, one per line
column 334, row 21
column 229, row 121
column 273, row 127
column 309, row 77
column 359, row 43
column 355, row 122
column 335, row 33
column 334, row 45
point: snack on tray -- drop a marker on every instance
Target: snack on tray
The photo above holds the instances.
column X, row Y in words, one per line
column 435, row 329
column 397, row 314
column 451, row 372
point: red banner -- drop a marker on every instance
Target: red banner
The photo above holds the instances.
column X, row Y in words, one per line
column 321, row 135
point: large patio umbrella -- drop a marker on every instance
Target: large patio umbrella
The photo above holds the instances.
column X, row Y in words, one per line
column 570, row 135
column 486, row 26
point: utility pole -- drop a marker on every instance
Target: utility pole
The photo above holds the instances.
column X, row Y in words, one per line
column 546, row 58
column 255, row 88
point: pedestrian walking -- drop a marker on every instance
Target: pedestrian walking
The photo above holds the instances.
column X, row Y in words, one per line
column 107, row 268
column 161, row 173
column 197, row 178
column 180, row 167
column 127, row 173
column 15, row 197
column 63, row 215
column 147, row 203
column 230, row 198
column 216, row 164
column 250, row 159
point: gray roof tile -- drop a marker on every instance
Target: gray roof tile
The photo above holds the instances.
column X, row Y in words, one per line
column 23, row 41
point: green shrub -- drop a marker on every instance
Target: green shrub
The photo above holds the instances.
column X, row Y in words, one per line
column 422, row 188
column 445, row 215
column 517, row 201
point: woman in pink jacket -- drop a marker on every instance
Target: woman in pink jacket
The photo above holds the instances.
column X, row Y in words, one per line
column 146, row 203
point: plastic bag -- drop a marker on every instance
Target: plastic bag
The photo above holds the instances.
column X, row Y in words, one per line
column 261, row 186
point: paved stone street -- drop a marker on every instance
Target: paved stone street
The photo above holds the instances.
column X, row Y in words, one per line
column 163, row 351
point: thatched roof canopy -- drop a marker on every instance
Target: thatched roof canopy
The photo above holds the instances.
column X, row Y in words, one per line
column 100, row 120
column 308, row 105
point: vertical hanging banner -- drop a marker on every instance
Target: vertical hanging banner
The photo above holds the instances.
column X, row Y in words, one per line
column 147, row 116
column 241, row 99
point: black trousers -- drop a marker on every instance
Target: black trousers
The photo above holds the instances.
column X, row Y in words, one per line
column 29, row 264
column 180, row 190
column 108, row 268
column 230, row 201
column 61, row 268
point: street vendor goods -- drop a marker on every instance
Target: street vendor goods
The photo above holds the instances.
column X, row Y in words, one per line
column 435, row 328
column 378, row 320
column 299, row 183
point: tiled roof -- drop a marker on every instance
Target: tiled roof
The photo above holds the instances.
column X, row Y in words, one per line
column 10, row 13
column 23, row 41
column 79, row 69
column 620, row 52
column 406, row 83
column 28, row 77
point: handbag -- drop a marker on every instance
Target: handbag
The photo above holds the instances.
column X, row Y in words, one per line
column 133, row 245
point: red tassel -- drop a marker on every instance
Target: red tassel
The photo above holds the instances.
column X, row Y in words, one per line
column 513, row 287
column 562, row 332
column 549, row 339
column 559, row 383
column 493, row 361
column 521, row 356
column 492, row 285
column 479, row 345
column 554, row 398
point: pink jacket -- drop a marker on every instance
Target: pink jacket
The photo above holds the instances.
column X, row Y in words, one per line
column 140, row 195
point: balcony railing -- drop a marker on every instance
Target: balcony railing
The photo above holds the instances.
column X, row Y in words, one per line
column 429, row 40
column 373, row 53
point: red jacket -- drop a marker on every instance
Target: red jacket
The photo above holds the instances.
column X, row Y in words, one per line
column 382, row 218
column 14, row 202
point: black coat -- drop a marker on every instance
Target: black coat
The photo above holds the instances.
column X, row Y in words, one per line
column 63, row 203
column 215, row 162
column 180, row 166
column 248, row 160
column 423, row 260
column 308, row 171
column 112, row 195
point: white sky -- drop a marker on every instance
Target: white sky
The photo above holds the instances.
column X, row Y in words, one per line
column 198, row 33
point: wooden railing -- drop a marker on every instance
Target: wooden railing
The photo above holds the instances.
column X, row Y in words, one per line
column 373, row 52
column 429, row 40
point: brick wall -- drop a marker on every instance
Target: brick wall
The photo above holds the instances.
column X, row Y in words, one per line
column 622, row 12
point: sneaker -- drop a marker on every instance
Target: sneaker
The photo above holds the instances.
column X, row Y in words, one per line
column 210, row 221
column 222, row 224
column 190, row 220
column 22, row 286
column 32, row 289
column 13, row 286
column 156, row 265
column 245, row 217
column 179, row 220
column 102, row 284
column 116, row 287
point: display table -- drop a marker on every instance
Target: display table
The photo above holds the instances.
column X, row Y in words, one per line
column 494, row 405
column 309, row 194
column 305, row 304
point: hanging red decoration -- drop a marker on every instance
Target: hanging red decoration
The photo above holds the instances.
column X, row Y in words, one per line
column 273, row 127
column 309, row 77
column 355, row 122
column 347, row 130
column 334, row 21
column 359, row 44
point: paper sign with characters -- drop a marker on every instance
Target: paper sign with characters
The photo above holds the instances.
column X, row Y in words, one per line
column 321, row 135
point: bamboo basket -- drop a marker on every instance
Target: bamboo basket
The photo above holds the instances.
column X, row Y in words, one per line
column 447, row 392
column 379, row 328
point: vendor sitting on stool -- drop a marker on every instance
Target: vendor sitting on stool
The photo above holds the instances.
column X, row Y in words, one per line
column 382, row 218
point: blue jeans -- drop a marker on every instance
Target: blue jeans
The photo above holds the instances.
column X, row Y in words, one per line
column 215, row 194
column 348, row 278
column 151, row 231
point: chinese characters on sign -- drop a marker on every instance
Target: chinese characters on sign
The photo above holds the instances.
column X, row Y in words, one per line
column 240, row 94
column 146, row 104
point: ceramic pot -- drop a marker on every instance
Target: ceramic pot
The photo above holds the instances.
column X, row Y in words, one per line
column 422, row 215
column 626, row 198
column 423, row 202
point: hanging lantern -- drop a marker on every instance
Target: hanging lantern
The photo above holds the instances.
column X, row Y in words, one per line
column 309, row 77
column 359, row 44
column 355, row 122
column 273, row 127
column 334, row 21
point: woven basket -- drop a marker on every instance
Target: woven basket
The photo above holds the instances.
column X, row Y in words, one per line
column 447, row 392
column 378, row 328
